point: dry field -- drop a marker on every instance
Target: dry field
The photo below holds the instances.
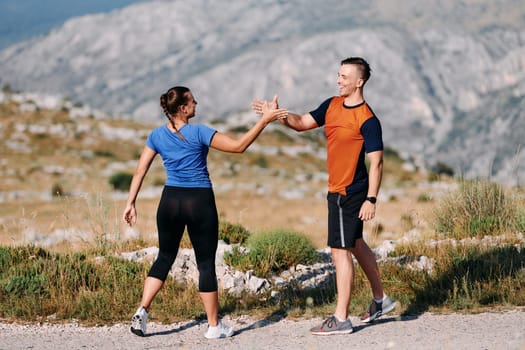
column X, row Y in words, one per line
column 278, row 183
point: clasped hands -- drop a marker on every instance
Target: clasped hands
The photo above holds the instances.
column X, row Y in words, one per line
column 263, row 107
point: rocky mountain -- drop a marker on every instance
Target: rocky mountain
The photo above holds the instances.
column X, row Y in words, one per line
column 21, row 20
column 448, row 77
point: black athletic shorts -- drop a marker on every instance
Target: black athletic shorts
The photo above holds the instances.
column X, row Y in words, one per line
column 344, row 225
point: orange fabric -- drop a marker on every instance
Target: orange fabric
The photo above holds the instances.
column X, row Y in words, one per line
column 344, row 142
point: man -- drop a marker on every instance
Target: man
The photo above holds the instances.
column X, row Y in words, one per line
column 352, row 129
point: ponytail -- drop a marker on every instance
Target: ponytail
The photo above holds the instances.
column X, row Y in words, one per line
column 170, row 103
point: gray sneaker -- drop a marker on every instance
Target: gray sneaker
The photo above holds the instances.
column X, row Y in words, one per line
column 376, row 310
column 332, row 326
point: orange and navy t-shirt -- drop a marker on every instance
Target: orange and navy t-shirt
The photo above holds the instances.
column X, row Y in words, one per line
column 351, row 131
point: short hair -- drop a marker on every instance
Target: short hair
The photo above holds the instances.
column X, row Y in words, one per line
column 363, row 65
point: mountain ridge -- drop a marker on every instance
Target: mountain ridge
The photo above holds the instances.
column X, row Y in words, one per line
column 435, row 69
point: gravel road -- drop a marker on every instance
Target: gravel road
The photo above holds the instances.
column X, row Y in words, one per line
column 503, row 330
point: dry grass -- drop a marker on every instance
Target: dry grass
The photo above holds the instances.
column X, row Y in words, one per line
column 248, row 187
column 249, row 190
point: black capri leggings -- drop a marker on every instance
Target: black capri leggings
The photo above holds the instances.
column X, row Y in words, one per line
column 194, row 208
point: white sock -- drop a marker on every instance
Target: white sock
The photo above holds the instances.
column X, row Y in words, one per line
column 338, row 319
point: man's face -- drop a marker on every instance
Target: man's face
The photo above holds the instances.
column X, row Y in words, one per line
column 348, row 79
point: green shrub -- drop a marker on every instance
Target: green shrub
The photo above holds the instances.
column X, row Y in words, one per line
column 477, row 208
column 238, row 259
column 424, row 197
column 520, row 222
column 273, row 251
column 121, row 181
column 228, row 232
column 57, row 190
column 104, row 153
column 442, row 169
column 232, row 233
column 239, row 129
column 261, row 161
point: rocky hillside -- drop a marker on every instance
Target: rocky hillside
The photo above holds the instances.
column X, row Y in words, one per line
column 52, row 146
column 448, row 77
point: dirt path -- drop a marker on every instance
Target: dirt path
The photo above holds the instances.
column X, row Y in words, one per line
column 504, row 330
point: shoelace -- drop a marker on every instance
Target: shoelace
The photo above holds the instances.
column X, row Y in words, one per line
column 330, row 322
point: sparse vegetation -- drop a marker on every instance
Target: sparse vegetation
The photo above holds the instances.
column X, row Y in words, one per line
column 57, row 190
column 261, row 161
column 96, row 288
column 104, row 153
column 466, row 276
column 424, row 197
column 439, row 170
column 89, row 283
column 232, row 233
column 477, row 208
column 121, row 181
column 273, row 251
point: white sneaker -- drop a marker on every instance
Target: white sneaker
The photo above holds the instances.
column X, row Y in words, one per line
column 138, row 322
column 219, row 331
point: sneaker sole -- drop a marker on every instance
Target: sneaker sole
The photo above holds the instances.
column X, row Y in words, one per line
column 373, row 317
column 223, row 335
column 346, row 331
column 138, row 332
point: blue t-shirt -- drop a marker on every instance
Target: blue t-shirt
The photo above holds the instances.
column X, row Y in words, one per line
column 184, row 160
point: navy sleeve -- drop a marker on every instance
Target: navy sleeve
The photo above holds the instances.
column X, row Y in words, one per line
column 319, row 114
column 372, row 134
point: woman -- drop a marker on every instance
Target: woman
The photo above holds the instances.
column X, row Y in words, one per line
column 187, row 199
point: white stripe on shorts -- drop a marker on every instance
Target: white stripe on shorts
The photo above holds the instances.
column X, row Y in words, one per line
column 341, row 227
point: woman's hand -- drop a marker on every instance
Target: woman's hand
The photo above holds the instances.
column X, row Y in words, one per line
column 130, row 215
column 270, row 113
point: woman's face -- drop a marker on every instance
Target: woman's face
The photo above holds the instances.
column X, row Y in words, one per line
column 190, row 105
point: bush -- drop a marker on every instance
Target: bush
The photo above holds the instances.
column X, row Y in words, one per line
column 57, row 190
column 442, row 169
column 232, row 233
column 228, row 232
column 477, row 208
column 121, row 181
column 273, row 251
column 104, row 153
column 261, row 162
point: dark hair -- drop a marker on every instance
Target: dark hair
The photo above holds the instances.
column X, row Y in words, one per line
column 363, row 65
column 171, row 100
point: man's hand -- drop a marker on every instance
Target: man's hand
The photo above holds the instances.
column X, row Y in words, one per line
column 257, row 104
column 368, row 211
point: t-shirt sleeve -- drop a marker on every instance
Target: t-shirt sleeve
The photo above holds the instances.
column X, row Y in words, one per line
column 150, row 141
column 319, row 114
column 372, row 134
column 206, row 134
